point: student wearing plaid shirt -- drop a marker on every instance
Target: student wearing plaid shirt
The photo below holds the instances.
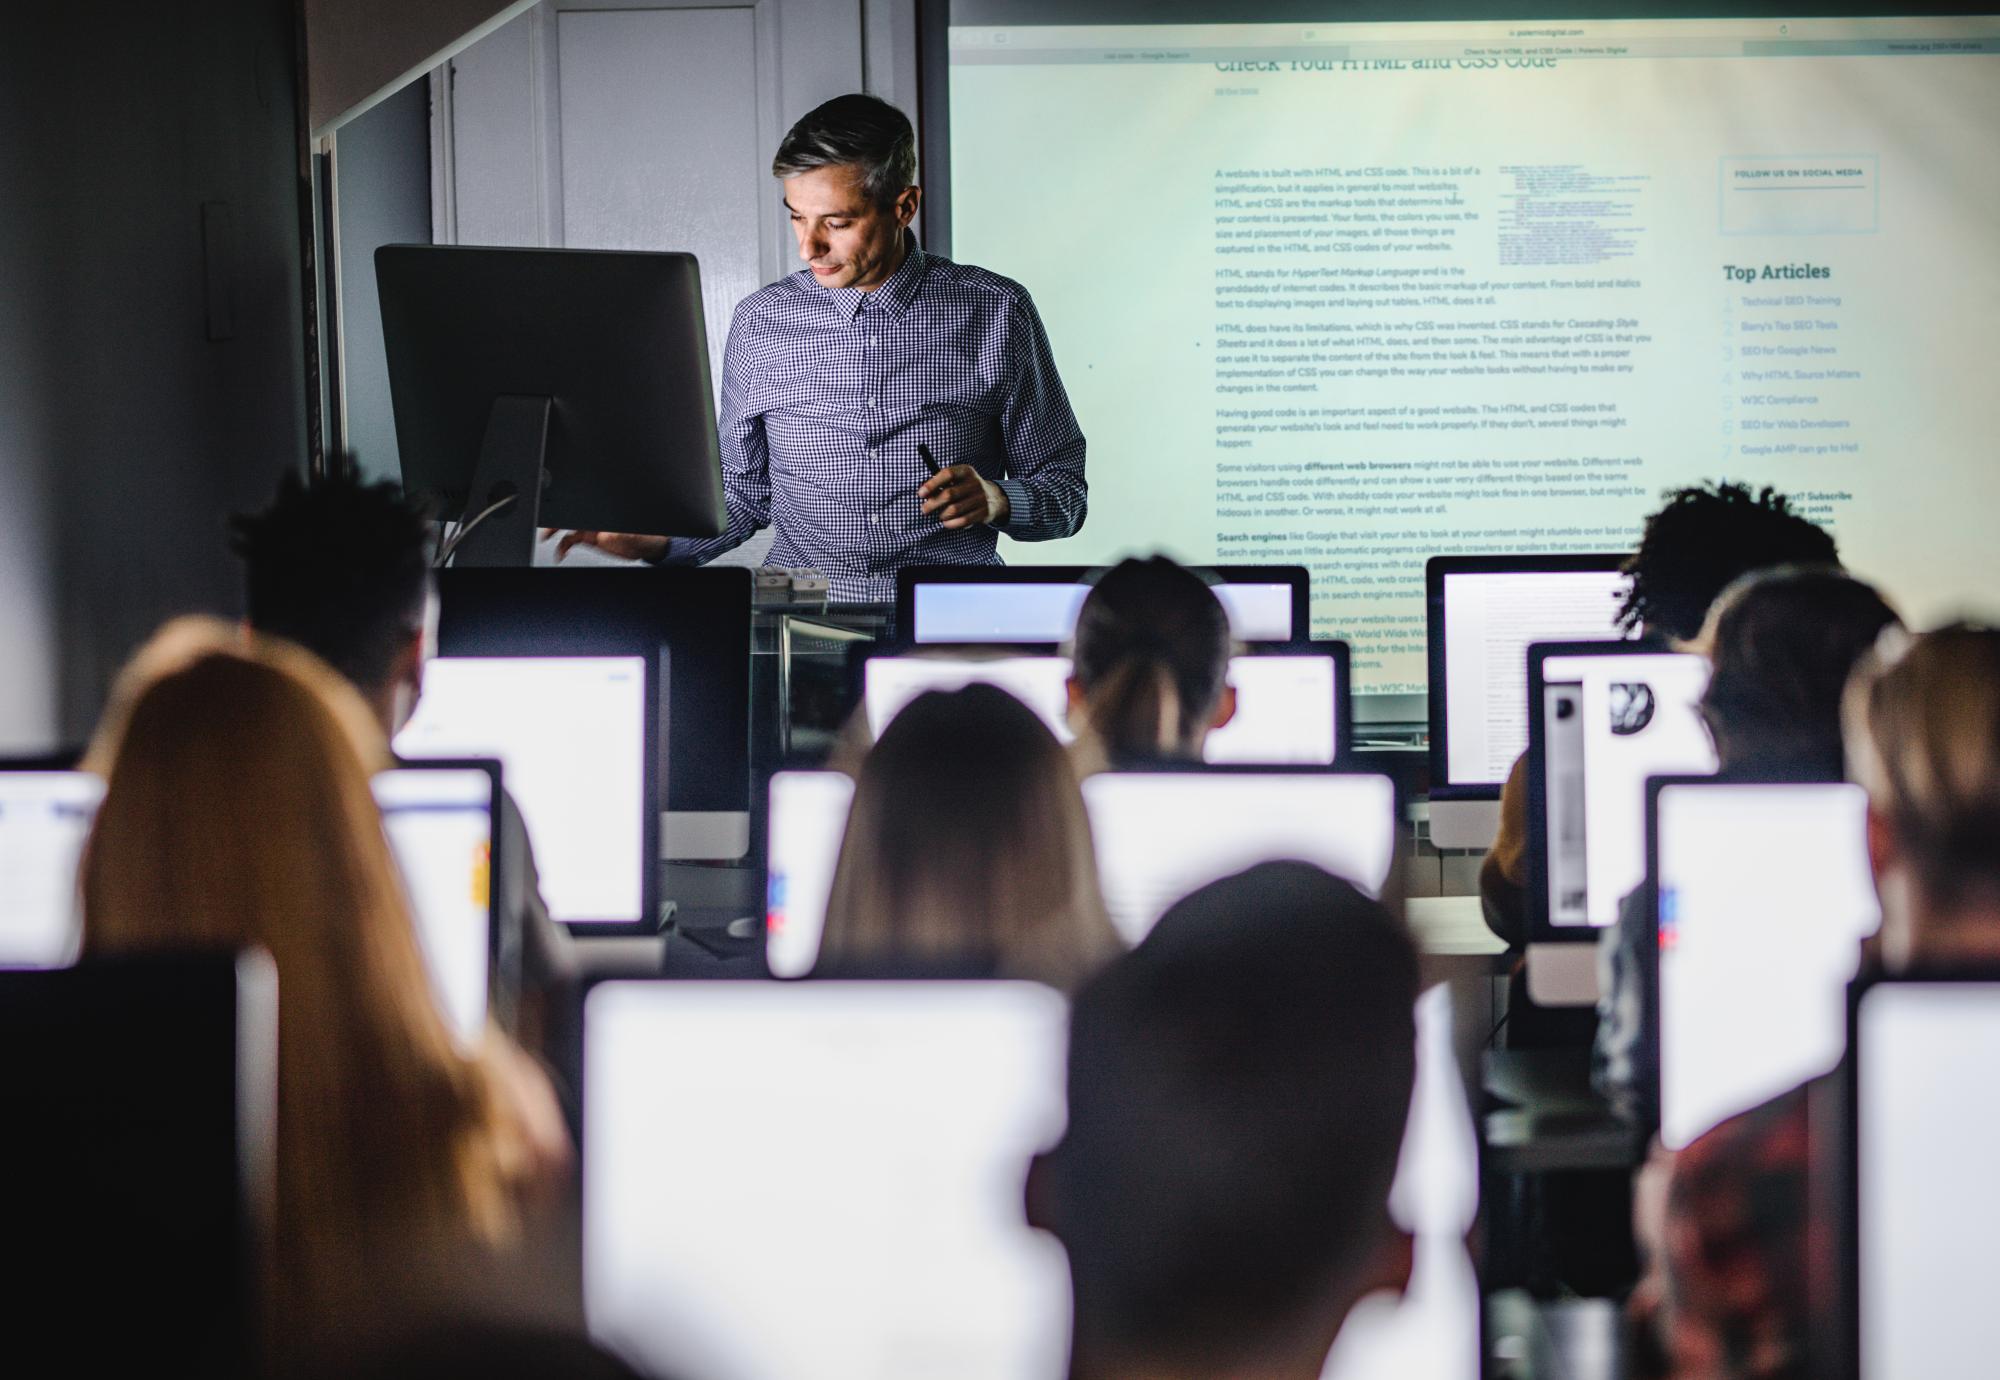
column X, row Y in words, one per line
column 836, row 374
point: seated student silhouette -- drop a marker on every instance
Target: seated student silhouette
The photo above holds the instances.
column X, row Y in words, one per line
column 1149, row 667
column 238, row 813
column 1239, row 1085
column 1703, row 539
column 967, row 851
column 1742, row 1278
column 1782, row 643
column 343, row 569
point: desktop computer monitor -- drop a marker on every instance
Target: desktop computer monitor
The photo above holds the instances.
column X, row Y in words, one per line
column 877, row 1134
column 574, row 737
column 1481, row 615
column 1291, row 703
column 891, row 680
column 140, row 1158
column 808, row 819
column 1603, row 717
column 440, row 819
column 1925, row 1130
column 1163, row 834
column 45, row 816
column 1763, row 897
column 1023, row 604
column 574, row 380
column 695, row 623
column 1435, row 1328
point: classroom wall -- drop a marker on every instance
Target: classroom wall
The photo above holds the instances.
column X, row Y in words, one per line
column 151, row 355
column 383, row 171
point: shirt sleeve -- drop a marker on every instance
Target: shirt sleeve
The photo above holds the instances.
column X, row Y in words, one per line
column 746, row 469
column 1047, row 497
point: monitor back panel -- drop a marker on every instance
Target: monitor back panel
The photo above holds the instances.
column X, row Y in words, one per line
column 1764, row 897
column 875, row 1137
column 1161, row 835
column 1925, row 1137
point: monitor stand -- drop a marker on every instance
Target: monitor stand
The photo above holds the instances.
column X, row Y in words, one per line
column 510, row 466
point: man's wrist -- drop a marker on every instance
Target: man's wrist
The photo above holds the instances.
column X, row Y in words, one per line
column 1017, row 504
column 999, row 508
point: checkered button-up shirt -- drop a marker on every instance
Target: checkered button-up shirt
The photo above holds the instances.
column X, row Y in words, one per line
column 826, row 393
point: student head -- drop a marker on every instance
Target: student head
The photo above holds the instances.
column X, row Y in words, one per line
column 343, row 569
column 1151, row 663
column 1702, row 539
column 1923, row 736
column 850, row 173
column 1239, row 1086
column 967, row 848
column 237, row 813
column 1782, row 644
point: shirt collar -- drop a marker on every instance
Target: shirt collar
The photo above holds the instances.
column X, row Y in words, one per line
column 896, row 294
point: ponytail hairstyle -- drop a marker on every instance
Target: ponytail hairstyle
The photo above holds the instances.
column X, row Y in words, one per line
column 1923, row 736
column 1151, row 658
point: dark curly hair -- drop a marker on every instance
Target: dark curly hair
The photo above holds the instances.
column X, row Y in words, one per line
column 339, row 567
column 1702, row 540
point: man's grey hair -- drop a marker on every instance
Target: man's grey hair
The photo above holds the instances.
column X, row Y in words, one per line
column 861, row 132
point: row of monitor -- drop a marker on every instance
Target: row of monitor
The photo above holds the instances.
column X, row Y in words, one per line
column 439, row 818
column 886, row 1129
column 897, row 1247
column 1761, row 891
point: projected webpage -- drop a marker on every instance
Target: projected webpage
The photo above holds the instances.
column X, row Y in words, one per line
column 1927, row 1132
column 1161, row 835
column 1285, row 705
column 1490, row 619
column 1612, row 722
column 1433, row 1329
column 1765, row 897
column 440, row 827
column 570, row 736
column 1024, row 611
column 44, row 819
column 1351, row 296
column 877, row 1135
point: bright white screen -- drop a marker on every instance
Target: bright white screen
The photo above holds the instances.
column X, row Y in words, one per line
column 1351, row 296
column 1652, row 696
column 1284, row 704
column 1765, row 897
column 1284, row 713
column 1490, row 618
column 440, row 826
column 44, row 818
column 875, row 1137
column 570, row 736
column 1928, row 1131
column 808, row 818
column 1040, row 682
column 1028, row 612
column 1433, row 1329
column 1161, row 835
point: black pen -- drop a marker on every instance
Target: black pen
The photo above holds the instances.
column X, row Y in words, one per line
column 930, row 461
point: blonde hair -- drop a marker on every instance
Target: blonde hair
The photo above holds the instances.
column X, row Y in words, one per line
column 238, row 812
column 1923, row 736
column 968, row 845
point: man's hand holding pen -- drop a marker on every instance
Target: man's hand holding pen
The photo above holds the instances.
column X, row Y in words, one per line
column 958, row 495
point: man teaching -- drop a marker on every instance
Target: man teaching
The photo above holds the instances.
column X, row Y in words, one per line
column 882, row 406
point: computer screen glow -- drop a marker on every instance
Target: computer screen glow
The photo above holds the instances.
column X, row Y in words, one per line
column 570, row 736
